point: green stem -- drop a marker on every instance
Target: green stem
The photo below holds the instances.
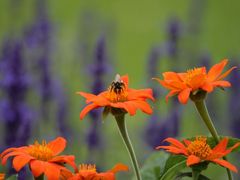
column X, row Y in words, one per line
column 203, row 112
column 123, row 132
column 195, row 174
column 41, row 177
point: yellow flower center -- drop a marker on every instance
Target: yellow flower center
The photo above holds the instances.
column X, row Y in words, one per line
column 117, row 90
column 199, row 148
column 41, row 151
column 87, row 168
column 192, row 73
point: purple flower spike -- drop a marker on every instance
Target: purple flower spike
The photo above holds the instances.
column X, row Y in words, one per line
column 174, row 31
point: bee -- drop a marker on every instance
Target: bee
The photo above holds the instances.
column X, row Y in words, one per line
column 117, row 85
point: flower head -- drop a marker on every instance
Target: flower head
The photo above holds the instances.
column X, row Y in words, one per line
column 42, row 158
column 89, row 171
column 194, row 80
column 199, row 150
column 119, row 96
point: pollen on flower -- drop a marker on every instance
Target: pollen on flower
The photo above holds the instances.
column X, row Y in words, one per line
column 117, row 90
column 87, row 167
column 191, row 73
column 41, row 151
column 199, row 148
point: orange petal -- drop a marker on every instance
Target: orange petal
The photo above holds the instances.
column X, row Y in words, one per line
column 163, row 83
column 175, row 142
column 222, row 145
column 226, row 73
column 216, row 70
column 171, row 93
column 197, row 81
column 7, row 151
column 183, row 96
column 20, row 161
column 191, row 160
column 171, row 84
column 144, row 106
column 187, row 142
column 131, row 109
column 171, row 76
column 37, row 167
column 103, row 176
column 86, row 95
column 225, row 164
column 221, row 84
column 6, row 156
column 52, row 171
column 207, row 87
column 65, row 159
column 57, row 145
column 87, row 109
column 65, row 174
column 230, row 149
column 172, row 149
column 134, row 94
column 119, row 167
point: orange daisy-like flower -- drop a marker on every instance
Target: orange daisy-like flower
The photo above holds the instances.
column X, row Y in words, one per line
column 42, row 158
column 195, row 79
column 119, row 96
column 198, row 151
column 2, row 176
column 87, row 172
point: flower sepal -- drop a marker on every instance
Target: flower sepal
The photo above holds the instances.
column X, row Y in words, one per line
column 200, row 166
column 198, row 95
column 114, row 111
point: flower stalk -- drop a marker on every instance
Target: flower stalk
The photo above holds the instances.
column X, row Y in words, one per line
column 195, row 174
column 203, row 112
column 124, row 134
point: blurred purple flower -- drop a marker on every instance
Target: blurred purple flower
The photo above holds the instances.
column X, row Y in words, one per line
column 37, row 37
column 174, row 31
column 234, row 104
column 152, row 65
column 158, row 129
column 62, row 111
column 15, row 114
column 97, row 70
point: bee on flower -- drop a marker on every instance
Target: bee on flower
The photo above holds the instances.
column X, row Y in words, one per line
column 118, row 97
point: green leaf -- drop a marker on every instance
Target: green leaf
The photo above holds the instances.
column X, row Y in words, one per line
column 12, row 177
column 189, row 174
column 154, row 165
column 173, row 165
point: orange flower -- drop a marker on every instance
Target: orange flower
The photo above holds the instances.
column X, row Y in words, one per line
column 198, row 150
column 2, row 176
column 195, row 79
column 119, row 96
column 42, row 158
column 87, row 172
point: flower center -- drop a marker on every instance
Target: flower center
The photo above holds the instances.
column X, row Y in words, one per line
column 199, row 148
column 117, row 90
column 87, row 168
column 192, row 73
column 41, row 151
